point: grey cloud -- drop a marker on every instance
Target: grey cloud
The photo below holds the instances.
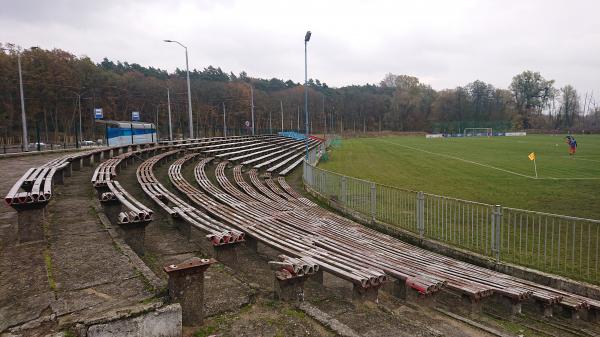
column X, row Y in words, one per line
column 354, row 42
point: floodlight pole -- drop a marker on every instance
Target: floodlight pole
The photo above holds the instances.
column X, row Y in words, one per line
column 156, row 124
column 324, row 115
column 306, row 39
column 169, row 109
column 23, row 117
column 252, row 105
column 281, row 104
column 187, row 70
column 79, row 103
column 224, row 122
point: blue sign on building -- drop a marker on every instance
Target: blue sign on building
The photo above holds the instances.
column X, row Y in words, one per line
column 98, row 114
column 135, row 116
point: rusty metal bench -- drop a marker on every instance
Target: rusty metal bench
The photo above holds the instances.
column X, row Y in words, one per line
column 217, row 233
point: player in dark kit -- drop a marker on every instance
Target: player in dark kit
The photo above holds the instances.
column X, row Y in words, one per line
column 572, row 145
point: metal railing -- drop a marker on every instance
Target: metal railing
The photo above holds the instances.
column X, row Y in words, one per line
column 557, row 244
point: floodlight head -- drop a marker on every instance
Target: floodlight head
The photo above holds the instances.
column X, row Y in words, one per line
column 307, row 36
column 168, row 40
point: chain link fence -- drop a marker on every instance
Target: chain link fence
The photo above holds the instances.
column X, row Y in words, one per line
column 557, row 244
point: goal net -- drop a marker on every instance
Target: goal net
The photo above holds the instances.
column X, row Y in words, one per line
column 478, row 132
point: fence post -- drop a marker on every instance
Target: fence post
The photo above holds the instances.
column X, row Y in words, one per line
column 496, row 230
column 344, row 191
column 304, row 171
column 421, row 213
column 324, row 184
column 373, row 201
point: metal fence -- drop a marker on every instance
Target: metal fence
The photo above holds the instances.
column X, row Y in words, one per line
column 557, row 244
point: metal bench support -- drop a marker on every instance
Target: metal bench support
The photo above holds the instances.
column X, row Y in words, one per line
column 186, row 287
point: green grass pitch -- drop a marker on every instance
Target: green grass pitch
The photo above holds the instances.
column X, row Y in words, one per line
column 493, row 170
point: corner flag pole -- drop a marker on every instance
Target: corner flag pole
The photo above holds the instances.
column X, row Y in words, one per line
column 532, row 157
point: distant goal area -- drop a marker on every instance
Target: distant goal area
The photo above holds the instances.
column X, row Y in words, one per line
column 473, row 128
column 477, row 132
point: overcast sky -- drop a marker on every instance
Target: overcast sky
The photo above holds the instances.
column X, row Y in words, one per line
column 444, row 43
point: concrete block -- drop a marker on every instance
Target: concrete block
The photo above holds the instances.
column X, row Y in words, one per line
column 58, row 178
column 111, row 209
column 361, row 294
column 162, row 322
column 398, row 288
column 77, row 164
column 590, row 315
column 68, row 170
column 317, row 277
column 227, row 254
column 183, row 226
column 30, row 224
column 251, row 244
column 509, row 305
column 291, row 289
column 539, row 307
column 473, row 304
column 134, row 234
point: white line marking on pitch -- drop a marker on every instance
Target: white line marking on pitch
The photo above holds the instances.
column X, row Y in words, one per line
column 461, row 159
column 486, row 165
column 574, row 178
column 578, row 158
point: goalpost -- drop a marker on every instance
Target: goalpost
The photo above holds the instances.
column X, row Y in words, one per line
column 478, row 132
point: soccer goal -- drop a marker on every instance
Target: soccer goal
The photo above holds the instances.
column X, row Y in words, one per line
column 478, row 132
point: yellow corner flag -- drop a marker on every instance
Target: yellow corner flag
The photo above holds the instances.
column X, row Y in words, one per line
column 532, row 156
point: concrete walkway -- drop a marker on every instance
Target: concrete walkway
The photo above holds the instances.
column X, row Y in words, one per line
column 76, row 274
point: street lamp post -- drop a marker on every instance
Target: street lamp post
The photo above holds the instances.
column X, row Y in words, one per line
column 224, row 122
column 306, row 39
column 324, row 116
column 281, row 105
column 252, row 105
column 79, row 103
column 23, row 118
column 187, row 69
column 156, row 124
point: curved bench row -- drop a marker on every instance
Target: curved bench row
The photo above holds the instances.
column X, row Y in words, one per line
column 261, row 226
column 218, row 232
column 111, row 192
column 271, row 152
column 34, row 188
column 120, row 206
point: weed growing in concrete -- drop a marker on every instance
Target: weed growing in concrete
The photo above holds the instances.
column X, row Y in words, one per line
column 205, row 331
column 48, row 262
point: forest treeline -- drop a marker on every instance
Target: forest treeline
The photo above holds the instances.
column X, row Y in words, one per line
column 57, row 84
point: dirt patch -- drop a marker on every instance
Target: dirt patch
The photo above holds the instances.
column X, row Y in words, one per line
column 263, row 318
